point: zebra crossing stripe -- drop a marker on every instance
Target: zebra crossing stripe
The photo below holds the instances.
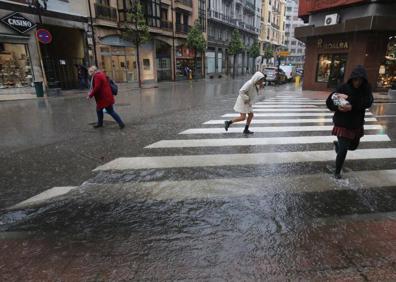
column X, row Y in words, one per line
column 45, row 196
column 261, row 185
column 284, row 106
column 190, row 143
column 215, row 130
column 280, row 121
column 323, row 110
column 288, row 103
column 293, row 100
column 329, row 114
column 215, row 160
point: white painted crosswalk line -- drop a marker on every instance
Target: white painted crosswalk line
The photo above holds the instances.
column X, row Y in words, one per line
column 191, row 143
column 214, row 160
column 284, row 106
column 45, row 196
column 289, row 114
column 294, row 103
column 215, row 130
column 324, row 110
column 261, row 185
column 284, row 121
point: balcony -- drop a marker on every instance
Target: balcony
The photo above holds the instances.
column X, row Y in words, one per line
column 276, row 9
column 166, row 25
column 230, row 20
column 105, row 12
column 274, row 25
column 250, row 6
column 182, row 28
column 221, row 17
column 185, row 2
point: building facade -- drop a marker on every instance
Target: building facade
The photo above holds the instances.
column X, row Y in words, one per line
column 223, row 17
column 295, row 47
column 165, row 56
column 272, row 33
column 341, row 35
column 24, row 60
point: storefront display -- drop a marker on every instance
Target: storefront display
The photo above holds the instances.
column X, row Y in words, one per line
column 15, row 66
column 184, row 60
column 387, row 70
column 331, row 69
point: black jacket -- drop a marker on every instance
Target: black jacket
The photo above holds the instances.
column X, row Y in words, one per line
column 360, row 100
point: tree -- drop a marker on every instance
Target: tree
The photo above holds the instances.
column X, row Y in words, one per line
column 268, row 52
column 254, row 50
column 196, row 41
column 236, row 47
column 137, row 31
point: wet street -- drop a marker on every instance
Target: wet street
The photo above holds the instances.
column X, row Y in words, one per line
column 174, row 197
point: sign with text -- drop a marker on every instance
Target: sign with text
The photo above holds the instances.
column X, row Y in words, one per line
column 321, row 44
column 307, row 7
column 18, row 22
column 283, row 53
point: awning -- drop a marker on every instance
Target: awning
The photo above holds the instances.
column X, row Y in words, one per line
column 372, row 23
column 4, row 37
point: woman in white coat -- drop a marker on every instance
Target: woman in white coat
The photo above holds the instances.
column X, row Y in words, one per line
column 244, row 102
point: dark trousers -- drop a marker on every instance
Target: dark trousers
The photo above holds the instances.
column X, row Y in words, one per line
column 111, row 112
column 344, row 145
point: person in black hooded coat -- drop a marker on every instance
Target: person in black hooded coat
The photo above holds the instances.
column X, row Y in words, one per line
column 349, row 119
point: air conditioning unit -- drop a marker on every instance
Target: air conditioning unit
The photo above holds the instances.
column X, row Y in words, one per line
column 332, row 19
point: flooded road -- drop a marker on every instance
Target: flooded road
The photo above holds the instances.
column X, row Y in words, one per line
column 170, row 202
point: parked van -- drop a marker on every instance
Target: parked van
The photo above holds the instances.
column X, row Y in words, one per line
column 290, row 71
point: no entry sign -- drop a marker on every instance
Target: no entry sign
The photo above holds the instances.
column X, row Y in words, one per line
column 44, row 36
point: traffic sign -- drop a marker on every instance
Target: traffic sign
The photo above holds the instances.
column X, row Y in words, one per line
column 283, row 53
column 44, row 36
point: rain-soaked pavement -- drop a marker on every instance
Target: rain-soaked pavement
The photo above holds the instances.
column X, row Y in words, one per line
column 188, row 202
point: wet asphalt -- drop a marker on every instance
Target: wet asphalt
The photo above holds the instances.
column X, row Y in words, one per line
column 264, row 224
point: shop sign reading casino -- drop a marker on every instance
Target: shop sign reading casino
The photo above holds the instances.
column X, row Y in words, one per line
column 18, row 22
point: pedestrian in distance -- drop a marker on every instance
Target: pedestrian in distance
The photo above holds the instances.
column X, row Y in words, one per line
column 82, row 76
column 101, row 90
column 244, row 102
column 349, row 103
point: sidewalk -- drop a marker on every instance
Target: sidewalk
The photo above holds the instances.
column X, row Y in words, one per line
column 130, row 87
column 123, row 87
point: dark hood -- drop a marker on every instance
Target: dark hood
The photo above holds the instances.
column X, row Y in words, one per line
column 359, row 72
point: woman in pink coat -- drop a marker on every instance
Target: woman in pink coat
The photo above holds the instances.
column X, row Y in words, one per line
column 104, row 98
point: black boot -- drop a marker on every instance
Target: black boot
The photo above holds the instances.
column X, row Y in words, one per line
column 247, row 131
column 227, row 124
column 121, row 125
column 98, row 126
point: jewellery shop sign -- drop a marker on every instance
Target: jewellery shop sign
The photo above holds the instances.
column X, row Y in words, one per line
column 332, row 45
column 18, row 22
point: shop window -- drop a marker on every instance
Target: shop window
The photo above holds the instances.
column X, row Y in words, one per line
column 331, row 69
column 211, row 61
column 387, row 70
column 15, row 66
column 324, row 65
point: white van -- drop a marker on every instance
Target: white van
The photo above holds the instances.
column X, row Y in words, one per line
column 290, row 71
